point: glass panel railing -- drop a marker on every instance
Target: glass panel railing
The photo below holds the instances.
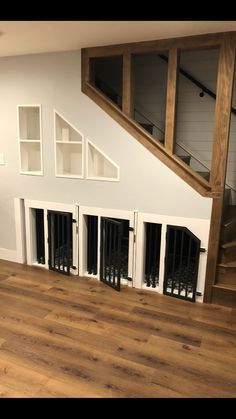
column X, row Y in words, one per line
column 106, row 76
column 188, row 157
column 149, row 125
column 195, row 112
column 149, row 92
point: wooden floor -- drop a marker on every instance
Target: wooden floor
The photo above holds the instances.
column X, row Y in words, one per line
column 70, row 337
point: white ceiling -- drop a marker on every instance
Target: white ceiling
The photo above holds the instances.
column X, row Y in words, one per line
column 29, row 37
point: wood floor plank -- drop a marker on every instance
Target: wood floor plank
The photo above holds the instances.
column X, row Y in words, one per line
column 75, row 337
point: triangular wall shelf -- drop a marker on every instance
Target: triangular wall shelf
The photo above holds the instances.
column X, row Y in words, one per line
column 98, row 165
column 69, row 143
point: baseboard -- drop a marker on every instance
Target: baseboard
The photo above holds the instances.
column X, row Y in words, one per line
column 10, row 255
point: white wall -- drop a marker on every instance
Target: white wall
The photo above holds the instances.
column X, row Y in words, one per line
column 53, row 80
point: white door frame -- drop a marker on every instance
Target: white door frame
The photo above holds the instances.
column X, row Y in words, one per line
column 199, row 227
column 30, row 237
column 109, row 213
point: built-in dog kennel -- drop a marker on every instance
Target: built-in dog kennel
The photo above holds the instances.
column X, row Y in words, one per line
column 106, row 245
column 171, row 258
column 52, row 236
column 181, row 263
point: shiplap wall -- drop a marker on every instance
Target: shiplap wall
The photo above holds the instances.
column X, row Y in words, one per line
column 195, row 114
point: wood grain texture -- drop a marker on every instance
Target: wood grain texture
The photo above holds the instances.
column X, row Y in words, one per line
column 184, row 43
column 223, row 112
column 64, row 337
column 219, row 154
column 171, row 99
column 128, row 87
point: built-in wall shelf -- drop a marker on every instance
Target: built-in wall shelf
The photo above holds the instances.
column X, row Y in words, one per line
column 99, row 165
column 69, row 148
column 30, row 139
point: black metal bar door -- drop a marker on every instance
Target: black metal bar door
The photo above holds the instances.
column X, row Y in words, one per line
column 181, row 263
column 60, row 241
column 110, row 257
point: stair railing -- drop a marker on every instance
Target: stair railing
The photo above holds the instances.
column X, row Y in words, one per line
column 183, row 147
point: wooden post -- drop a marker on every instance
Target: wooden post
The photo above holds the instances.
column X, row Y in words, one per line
column 220, row 153
column 127, row 97
column 171, row 99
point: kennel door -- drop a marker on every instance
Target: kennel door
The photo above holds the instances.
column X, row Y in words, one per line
column 110, row 263
column 60, row 241
column 181, row 263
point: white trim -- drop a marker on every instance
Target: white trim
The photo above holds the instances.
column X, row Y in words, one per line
column 56, row 142
column 109, row 179
column 54, row 206
column 20, row 229
column 7, row 254
column 69, row 123
column 25, row 141
column 199, row 227
column 110, row 213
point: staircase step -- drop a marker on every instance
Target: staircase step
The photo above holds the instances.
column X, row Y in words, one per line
column 229, row 245
column 230, row 215
column 228, row 265
column 205, row 175
column 226, row 273
column 185, row 159
column 147, row 127
column 228, row 252
column 228, row 230
column 224, row 295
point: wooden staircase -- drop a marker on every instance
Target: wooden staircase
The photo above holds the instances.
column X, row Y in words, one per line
column 224, row 290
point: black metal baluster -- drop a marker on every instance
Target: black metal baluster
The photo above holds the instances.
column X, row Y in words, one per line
column 107, row 251
column 114, row 239
column 154, row 255
column 49, row 241
column 119, row 235
column 173, row 263
column 181, row 270
column 93, row 245
column 102, row 251
column 96, row 245
column 111, row 260
column 188, row 265
column 150, row 257
column 196, row 265
column 63, row 221
column 89, row 244
column 53, row 238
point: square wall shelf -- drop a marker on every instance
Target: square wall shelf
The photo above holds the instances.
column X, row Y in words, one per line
column 30, row 139
column 69, row 160
column 30, row 154
column 29, row 123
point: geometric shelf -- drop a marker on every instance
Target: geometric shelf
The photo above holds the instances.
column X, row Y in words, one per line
column 30, row 139
column 99, row 165
column 65, row 131
column 69, row 160
column 69, row 148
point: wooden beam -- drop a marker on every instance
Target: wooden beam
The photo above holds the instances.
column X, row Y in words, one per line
column 127, row 96
column 223, row 112
column 219, row 154
column 184, row 43
column 171, row 99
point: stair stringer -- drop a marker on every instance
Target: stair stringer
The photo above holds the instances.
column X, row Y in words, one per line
column 157, row 149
